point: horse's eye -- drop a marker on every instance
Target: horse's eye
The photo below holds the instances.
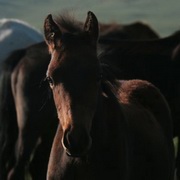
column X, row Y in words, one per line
column 50, row 81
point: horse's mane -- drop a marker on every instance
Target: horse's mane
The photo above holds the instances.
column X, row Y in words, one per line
column 110, row 90
column 68, row 23
column 109, row 83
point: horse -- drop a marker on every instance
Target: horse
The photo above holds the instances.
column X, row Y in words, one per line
column 157, row 61
column 136, row 30
column 25, row 108
column 22, row 111
column 16, row 34
column 107, row 129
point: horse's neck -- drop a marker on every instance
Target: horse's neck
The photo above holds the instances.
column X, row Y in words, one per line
column 109, row 119
column 109, row 135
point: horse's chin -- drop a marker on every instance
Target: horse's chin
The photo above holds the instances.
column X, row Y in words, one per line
column 70, row 154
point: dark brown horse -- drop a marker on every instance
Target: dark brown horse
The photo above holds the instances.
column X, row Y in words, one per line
column 136, row 30
column 157, row 61
column 25, row 110
column 24, row 142
column 107, row 130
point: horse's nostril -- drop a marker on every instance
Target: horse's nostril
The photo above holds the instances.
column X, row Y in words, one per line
column 69, row 142
column 76, row 143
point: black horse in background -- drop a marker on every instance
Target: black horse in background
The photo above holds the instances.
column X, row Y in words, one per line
column 25, row 111
column 157, row 61
column 27, row 115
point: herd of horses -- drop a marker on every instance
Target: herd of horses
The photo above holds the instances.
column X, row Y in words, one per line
column 92, row 101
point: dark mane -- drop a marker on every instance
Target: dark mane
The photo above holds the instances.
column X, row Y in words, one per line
column 110, row 90
column 109, row 83
column 68, row 23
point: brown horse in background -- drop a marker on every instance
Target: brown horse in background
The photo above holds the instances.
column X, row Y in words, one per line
column 107, row 129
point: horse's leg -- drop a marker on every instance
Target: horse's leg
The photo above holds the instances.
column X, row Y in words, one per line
column 32, row 126
column 8, row 125
column 38, row 165
column 27, row 140
column 175, row 104
column 29, row 127
column 7, row 155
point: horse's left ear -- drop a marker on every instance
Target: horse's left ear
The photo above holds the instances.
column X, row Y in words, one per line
column 91, row 26
column 52, row 33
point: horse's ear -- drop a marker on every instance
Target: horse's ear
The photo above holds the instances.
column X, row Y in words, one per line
column 91, row 26
column 52, row 33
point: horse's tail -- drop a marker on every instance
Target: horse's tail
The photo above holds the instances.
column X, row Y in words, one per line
column 8, row 123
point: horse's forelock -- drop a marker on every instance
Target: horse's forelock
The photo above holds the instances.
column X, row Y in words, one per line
column 68, row 23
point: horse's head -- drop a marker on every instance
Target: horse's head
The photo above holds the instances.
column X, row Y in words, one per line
column 74, row 76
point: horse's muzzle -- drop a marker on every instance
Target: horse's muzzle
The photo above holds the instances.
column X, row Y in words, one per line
column 76, row 142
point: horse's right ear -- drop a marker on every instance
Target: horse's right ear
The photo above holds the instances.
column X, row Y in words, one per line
column 52, row 33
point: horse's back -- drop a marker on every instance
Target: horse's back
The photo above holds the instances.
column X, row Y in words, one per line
column 16, row 34
column 136, row 30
